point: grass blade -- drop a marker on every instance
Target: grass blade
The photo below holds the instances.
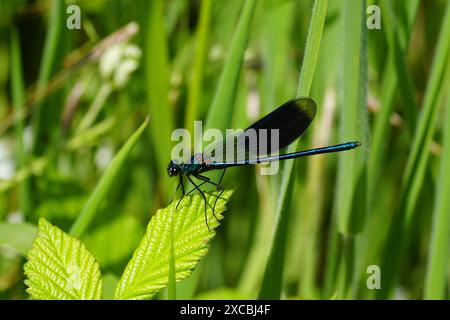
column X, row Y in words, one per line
column 48, row 60
column 273, row 274
column 405, row 86
column 157, row 77
column 219, row 115
column 279, row 20
column 18, row 98
column 351, row 188
column 105, row 184
column 388, row 91
column 435, row 283
column 416, row 165
column 196, row 80
column 354, row 121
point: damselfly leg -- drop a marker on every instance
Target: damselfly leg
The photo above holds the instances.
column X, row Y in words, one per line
column 182, row 191
column 204, row 198
column 217, row 185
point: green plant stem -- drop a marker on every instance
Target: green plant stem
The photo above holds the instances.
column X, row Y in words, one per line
column 105, row 184
column 273, row 274
column 395, row 48
column 157, row 77
column 439, row 246
column 196, row 79
column 280, row 18
column 18, row 98
column 353, row 118
column 416, row 165
column 374, row 235
column 48, row 60
column 318, row 176
column 351, row 188
column 95, row 108
column 219, row 115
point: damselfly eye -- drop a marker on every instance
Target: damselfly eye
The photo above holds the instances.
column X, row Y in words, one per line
column 173, row 169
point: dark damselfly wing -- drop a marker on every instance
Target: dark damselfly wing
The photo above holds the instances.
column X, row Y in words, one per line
column 290, row 120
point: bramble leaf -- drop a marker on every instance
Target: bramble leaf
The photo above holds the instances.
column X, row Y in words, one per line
column 60, row 267
column 148, row 270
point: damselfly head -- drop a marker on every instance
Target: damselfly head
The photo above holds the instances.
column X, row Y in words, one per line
column 174, row 168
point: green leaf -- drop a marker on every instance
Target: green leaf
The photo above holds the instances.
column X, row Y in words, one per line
column 148, row 270
column 60, row 267
column 20, row 236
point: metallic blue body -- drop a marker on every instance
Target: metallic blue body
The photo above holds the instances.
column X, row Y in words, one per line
column 305, row 153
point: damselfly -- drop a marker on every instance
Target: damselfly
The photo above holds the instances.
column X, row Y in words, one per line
column 253, row 146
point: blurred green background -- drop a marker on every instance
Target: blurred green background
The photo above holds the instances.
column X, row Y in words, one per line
column 69, row 99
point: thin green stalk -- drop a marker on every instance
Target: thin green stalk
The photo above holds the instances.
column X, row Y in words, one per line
column 398, row 55
column 280, row 18
column 351, row 166
column 52, row 40
column 381, row 133
column 436, row 274
column 312, row 218
column 157, row 83
column 95, row 108
column 219, row 115
column 388, row 92
column 347, row 268
column 334, row 252
column 317, row 173
column 105, row 184
column 273, row 275
column 416, row 165
column 201, row 50
column 18, row 92
column 221, row 110
column 351, row 188
column 18, row 99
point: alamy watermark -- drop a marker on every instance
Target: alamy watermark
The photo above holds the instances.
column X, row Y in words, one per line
column 374, row 19
column 73, row 21
column 373, row 281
